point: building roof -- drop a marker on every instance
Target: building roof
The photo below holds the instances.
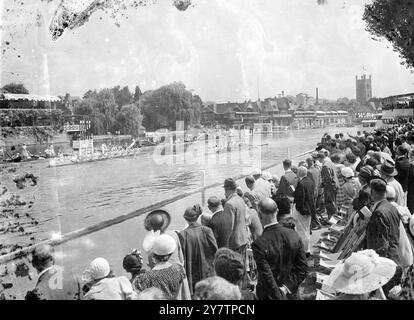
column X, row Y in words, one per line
column 29, row 97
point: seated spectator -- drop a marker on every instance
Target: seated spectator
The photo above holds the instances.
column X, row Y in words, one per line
column 104, row 286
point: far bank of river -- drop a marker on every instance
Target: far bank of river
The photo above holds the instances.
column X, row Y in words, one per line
column 74, row 197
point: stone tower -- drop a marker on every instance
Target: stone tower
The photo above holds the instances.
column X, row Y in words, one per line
column 363, row 89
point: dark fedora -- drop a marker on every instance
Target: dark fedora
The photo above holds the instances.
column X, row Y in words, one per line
column 366, row 173
column 388, row 168
column 230, row 184
column 157, row 220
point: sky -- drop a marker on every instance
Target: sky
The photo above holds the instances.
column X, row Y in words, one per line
column 220, row 49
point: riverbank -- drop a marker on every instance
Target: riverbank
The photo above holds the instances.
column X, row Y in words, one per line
column 70, row 199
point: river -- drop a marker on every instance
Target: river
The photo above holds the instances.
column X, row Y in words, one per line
column 73, row 197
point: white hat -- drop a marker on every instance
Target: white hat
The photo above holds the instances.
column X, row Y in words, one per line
column 347, row 172
column 97, row 269
column 164, row 245
column 363, row 272
column 266, row 175
column 257, row 172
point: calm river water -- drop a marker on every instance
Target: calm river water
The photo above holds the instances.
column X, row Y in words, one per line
column 73, row 197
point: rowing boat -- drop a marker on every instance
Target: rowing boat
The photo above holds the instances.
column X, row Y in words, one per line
column 67, row 161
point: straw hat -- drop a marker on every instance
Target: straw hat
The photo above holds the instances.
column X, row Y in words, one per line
column 164, row 245
column 157, row 220
column 347, row 172
column 388, row 169
column 97, row 269
column 363, row 272
column 257, row 172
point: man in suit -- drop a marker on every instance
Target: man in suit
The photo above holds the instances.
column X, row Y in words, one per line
column 235, row 211
column 220, row 223
column 280, row 257
column 330, row 183
column 315, row 174
column 305, row 207
column 51, row 283
column 383, row 231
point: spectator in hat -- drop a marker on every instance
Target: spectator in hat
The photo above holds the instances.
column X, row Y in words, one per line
column 51, row 283
column 383, row 233
column 350, row 188
column 364, row 196
column 388, row 173
column 199, row 247
column 219, row 222
column 133, row 263
column 361, row 276
column 235, row 211
column 229, row 266
column 167, row 276
column 280, row 257
column 103, row 285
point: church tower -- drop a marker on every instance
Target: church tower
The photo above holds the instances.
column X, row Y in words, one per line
column 363, row 89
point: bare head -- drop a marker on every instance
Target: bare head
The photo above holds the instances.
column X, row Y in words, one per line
column 267, row 210
column 287, row 164
column 213, row 203
column 302, row 172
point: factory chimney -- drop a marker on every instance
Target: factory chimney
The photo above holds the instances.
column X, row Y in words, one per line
column 317, row 96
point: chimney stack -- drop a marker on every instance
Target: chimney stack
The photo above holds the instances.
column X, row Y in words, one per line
column 317, row 96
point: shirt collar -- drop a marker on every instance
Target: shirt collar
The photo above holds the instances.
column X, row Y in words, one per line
column 288, row 170
column 217, row 211
column 270, row 224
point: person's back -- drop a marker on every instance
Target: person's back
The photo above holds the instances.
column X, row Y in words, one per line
column 262, row 188
column 199, row 247
column 236, row 208
column 117, row 288
column 285, row 256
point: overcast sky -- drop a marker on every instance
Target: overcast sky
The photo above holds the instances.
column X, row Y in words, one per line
column 218, row 48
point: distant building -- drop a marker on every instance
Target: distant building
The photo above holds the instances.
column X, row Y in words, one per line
column 363, row 89
column 302, row 99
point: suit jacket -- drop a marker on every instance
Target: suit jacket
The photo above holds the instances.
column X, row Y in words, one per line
column 410, row 189
column 280, row 260
column 221, row 225
column 235, row 211
column 383, row 233
column 403, row 167
column 305, row 197
column 54, row 285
